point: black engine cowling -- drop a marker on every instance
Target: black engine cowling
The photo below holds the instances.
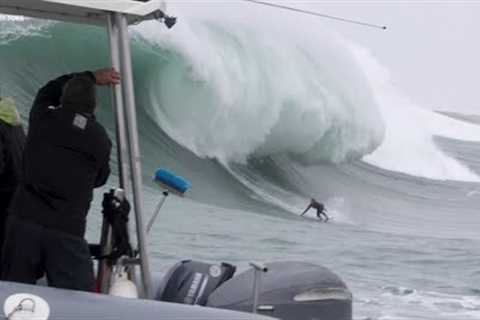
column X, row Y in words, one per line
column 288, row 291
column 191, row 282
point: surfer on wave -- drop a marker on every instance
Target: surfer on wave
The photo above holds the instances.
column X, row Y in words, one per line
column 321, row 211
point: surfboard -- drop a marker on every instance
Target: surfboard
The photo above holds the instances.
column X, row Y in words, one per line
column 317, row 219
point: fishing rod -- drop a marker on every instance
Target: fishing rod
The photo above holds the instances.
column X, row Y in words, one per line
column 313, row 13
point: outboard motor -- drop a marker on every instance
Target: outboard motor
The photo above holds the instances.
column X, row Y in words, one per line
column 288, row 290
column 191, row 282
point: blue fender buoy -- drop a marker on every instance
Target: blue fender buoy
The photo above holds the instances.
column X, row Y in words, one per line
column 171, row 181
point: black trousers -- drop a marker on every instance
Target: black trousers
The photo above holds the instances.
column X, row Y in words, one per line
column 32, row 251
column 321, row 214
column 5, row 198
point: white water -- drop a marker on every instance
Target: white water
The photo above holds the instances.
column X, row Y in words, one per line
column 257, row 91
column 13, row 28
column 408, row 145
column 254, row 92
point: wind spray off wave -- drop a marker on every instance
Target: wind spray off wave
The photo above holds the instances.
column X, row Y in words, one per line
column 229, row 91
column 409, row 145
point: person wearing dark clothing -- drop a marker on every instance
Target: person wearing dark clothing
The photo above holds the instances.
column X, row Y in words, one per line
column 12, row 141
column 66, row 156
column 321, row 211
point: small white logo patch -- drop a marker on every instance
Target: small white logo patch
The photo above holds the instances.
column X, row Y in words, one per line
column 80, row 121
column 25, row 306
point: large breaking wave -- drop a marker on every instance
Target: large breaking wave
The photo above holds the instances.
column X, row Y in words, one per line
column 235, row 93
column 229, row 92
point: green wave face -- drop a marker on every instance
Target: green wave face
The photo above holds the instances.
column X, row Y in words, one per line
column 210, row 95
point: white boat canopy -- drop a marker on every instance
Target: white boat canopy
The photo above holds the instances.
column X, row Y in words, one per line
column 83, row 11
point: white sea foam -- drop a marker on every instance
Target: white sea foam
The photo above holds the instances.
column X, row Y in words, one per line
column 403, row 303
column 13, row 28
column 230, row 91
column 408, row 145
column 227, row 90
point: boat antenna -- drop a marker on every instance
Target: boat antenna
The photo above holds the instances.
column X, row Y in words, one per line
column 313, row 13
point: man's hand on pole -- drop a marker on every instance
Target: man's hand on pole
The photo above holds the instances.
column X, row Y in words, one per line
column 106, row 76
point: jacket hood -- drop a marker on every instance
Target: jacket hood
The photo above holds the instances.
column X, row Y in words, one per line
column 79, row 95
column 8, row 111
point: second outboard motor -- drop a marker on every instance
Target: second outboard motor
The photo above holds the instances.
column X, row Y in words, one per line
column 191, row 282
column 288, row 291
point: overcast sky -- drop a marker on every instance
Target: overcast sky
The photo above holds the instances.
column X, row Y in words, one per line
column 431, row 48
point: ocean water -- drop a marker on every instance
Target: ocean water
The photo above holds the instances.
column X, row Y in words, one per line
column 259, row 122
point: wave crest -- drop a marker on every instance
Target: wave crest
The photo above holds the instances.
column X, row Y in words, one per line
column 229, row 92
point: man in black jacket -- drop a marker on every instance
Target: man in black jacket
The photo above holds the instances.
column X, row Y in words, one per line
column 66, row 156
column 12, row 141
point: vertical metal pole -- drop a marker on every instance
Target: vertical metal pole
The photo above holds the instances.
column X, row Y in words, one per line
column 157, row 211
column 135, row 165
column 119, row 110
column 104, row 271
column 256, row 289
column 258, row 270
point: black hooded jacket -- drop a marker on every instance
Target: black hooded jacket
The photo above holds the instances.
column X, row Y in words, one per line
column 66, row 156
column 12, row 141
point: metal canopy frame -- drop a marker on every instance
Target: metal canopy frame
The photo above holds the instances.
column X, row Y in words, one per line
column 115, row 16
column 93, row 12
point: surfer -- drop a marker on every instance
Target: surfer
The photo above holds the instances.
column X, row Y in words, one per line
column 66, row 156
column 321, row 211
column 12, row 141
